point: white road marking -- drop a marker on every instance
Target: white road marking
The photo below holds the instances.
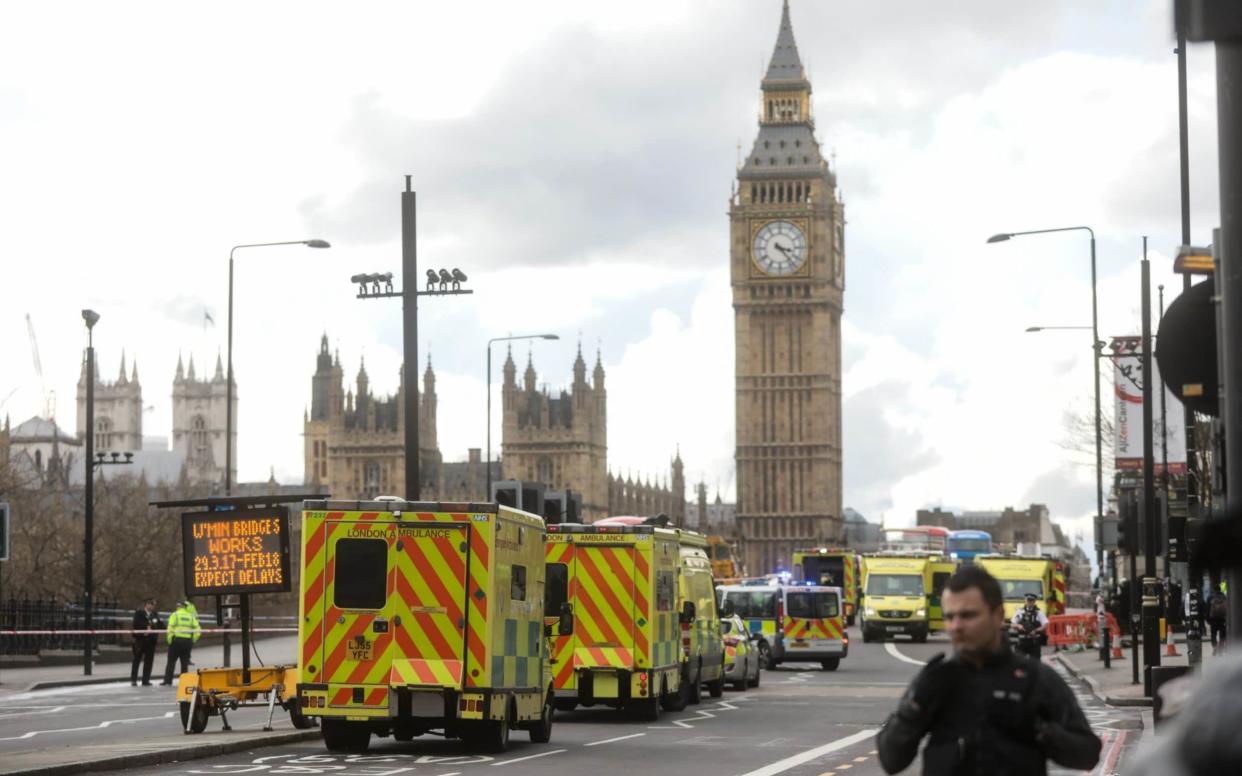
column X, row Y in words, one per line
column 618, row 738
column 891, row 649
column 102, row 725
column 527, row 757
column 798, row 759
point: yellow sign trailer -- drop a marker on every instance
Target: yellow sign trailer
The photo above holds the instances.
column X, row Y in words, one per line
column 420, row 616
column 621, row 582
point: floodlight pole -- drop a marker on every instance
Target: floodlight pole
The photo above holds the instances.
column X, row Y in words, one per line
column 409, row 335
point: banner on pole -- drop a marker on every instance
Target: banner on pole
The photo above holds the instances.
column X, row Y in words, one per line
column 1128, row 432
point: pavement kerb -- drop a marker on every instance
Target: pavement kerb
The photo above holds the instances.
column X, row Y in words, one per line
column 1096, row 689
column 175, row 754
column 79, row 682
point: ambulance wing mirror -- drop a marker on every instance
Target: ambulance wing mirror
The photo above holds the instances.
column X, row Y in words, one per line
column 687, row 612
column 566, row 624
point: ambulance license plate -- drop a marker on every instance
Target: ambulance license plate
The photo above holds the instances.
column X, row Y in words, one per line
column 894, row 628
column 801, row 644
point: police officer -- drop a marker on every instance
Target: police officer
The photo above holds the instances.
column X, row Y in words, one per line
column 1030, row 624
column 183, row 632
column 987, row 710
column 146, row 620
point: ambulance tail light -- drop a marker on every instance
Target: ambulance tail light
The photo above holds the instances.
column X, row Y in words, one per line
column 730, row 641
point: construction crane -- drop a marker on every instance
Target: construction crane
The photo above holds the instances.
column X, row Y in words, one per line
column 49, row 397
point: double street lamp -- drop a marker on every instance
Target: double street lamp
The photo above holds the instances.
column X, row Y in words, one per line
column 228, row 391
column 1095, row 340
column 488, row 465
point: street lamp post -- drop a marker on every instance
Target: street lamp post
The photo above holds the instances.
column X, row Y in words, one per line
column 228, row 390
column 442, row 283
column 488, row 494
column 88, row 540
column 1095, row 344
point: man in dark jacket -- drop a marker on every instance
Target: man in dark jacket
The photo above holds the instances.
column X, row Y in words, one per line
column 987, row 710
column 146, row 621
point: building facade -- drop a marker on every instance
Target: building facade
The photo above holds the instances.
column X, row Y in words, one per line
column 200, row 423
column 787, row 241
column 118, row 410
column 354, row 442
column 1013, row 530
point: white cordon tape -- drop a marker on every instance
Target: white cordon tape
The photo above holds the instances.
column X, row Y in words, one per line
column 11, row 632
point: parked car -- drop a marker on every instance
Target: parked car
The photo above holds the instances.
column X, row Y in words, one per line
column 741, row 650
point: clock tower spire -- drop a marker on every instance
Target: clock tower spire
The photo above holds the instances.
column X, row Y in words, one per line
column 787, row 267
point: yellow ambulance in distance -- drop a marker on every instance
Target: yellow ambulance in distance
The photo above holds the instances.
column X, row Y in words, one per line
column 701, row 640
column 833, row 567
column 422, row 616
column 1019, row 576
column 895, row 597
column 625, row 649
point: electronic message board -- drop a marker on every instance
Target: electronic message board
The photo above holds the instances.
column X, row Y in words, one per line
column 240, row 551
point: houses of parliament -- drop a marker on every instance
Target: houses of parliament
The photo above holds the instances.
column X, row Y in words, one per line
column 354, row 443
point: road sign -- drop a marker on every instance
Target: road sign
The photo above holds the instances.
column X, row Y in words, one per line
column 240, row 551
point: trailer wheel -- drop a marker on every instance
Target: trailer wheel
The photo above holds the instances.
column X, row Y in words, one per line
column 341, row 735
column 541, row 731
column 199, row 723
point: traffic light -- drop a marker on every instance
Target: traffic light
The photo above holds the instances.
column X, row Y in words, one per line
column 1127, row 522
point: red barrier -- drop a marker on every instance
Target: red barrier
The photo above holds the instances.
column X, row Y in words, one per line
column 1065, row 630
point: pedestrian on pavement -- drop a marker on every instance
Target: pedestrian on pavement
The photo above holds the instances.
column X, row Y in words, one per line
column 1218, row 608
column 987, row 709
column 146, row 622
column 1031, row 624
column 183, row 632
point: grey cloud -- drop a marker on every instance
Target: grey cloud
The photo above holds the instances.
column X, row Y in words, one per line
column 878, row 456
column 1065, row 496
column 593, row 142
column 187, row 309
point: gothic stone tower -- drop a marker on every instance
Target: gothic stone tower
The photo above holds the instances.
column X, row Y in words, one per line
column 787, row 267
column 199, row 423
column 561, row 441
column 118, row 410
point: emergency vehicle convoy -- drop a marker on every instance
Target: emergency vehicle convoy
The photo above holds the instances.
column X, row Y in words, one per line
column 420, row 616
column 647, row 634
column 796, row 623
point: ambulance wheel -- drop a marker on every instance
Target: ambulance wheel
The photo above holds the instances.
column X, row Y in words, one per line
column 830, row 664
column 849, row 621
column 867, row 637
column 920, row 637
column 675, row 701
column 341, row 735
column 647, row 709
column 541, row 731
column 491, row 736
column 199, row 723
column 715, row 688
column 694, row 694
column 300, row 721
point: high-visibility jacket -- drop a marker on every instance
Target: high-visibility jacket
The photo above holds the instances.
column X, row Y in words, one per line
column 183, row 624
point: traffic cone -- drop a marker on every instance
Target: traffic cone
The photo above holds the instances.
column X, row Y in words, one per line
column 1170, row 649
column 1116, row 641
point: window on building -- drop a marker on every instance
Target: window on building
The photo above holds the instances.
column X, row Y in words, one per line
column 103, row 434
column 370, row 479
column 544, row 470
column 200, row 441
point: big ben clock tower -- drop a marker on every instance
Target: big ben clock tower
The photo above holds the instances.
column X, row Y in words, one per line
column 787, row 240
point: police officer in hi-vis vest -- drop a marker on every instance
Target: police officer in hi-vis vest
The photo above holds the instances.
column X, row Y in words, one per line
column 1030, row 624
column 183, row 632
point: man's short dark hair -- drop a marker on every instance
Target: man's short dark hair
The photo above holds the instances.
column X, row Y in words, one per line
column 976, row 576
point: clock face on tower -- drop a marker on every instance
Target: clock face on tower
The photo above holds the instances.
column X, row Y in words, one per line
column 779, row 248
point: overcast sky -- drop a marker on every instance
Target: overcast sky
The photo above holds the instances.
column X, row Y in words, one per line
column 575, row 159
